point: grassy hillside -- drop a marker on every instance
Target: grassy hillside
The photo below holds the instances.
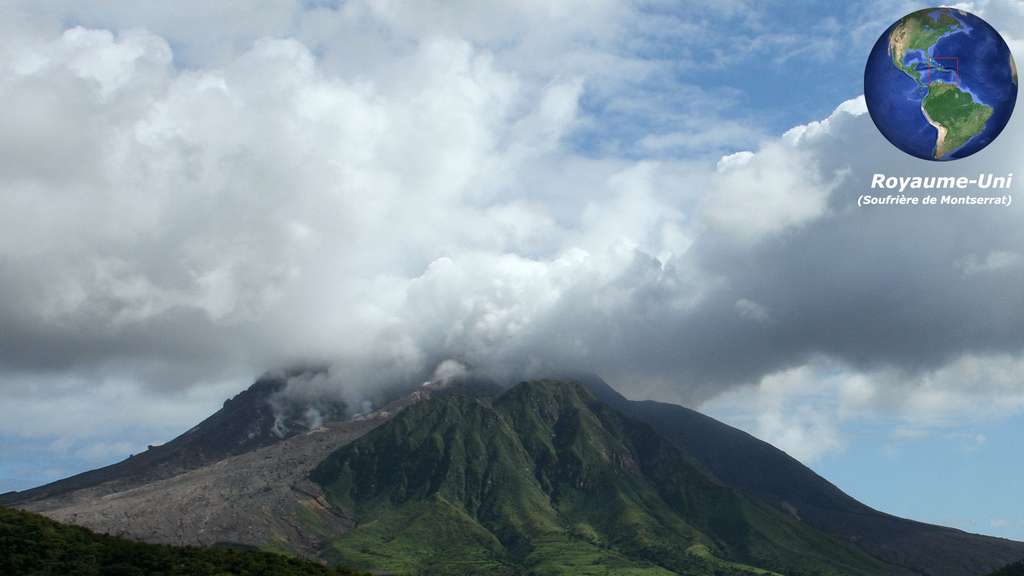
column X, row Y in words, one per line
column 31, row 545
column 546, row 480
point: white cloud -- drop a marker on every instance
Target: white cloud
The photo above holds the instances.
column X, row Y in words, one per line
column 93, row 418
column 992, row 262
column 807, row 411
column 101, row 452
column 791, row 410
column 750, row 310
column 391, row 185
column 754, row 195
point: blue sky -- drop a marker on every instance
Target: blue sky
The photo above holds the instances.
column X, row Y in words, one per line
column 960, row 473
column 772, row 66
column 963, row 476
column 656, row 191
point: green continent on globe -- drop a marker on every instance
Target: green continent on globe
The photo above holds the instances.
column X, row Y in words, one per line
column 955, row 114
column 919, row 31
column 940, row 84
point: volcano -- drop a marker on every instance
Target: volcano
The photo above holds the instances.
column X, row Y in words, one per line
column 557, row 476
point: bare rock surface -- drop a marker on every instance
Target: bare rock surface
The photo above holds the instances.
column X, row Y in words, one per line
column 261, row 498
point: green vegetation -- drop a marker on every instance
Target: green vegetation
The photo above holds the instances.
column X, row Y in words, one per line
column 1015, row 569
column 545, row 480
column 919, row 31
column 32, row 545
column 955, row 114
column 702, row 551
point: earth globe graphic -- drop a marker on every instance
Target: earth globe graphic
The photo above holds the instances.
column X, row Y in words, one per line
column 940, row 84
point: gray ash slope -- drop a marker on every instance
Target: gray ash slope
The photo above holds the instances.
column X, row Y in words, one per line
column 236, row 479
column 253, row 419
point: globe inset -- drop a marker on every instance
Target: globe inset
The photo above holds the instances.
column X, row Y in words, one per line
column 940, row 84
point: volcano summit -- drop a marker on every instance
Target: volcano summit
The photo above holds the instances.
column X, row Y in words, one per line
column 463, row 476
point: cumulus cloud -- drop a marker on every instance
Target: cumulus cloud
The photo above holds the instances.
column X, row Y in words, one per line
column 793, row 410
column 809, row 410
column 387, row 186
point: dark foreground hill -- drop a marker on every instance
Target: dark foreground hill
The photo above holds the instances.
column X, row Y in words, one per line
column 545, row 478
column 31, row 545
column 1015, row 569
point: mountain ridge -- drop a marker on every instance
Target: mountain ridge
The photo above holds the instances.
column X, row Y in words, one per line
column 787, row 484
column 559, row 475
column 247, row 421
column 263, row 496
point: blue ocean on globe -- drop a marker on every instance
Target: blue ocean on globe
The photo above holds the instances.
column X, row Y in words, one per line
column 940, row 84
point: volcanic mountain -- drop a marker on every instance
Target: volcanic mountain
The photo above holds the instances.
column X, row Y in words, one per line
column 259, row 416
column 546, row 477
column 770, row 475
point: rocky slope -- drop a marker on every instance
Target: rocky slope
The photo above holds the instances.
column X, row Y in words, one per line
column 259, row 498
column 255, row 418
column 545, row 478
